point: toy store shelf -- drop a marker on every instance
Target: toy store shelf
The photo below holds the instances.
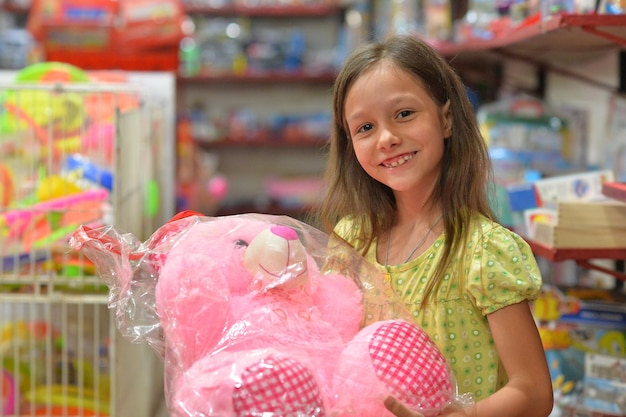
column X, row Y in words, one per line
column 558, row 39
column 274, row 207
column 567, row 411
column 582, row 256
column 616, row 190
column 577, row 254
column 164, row 59
column 11, row 7
column 278, row 142
column 282, row 77
column 304, row 10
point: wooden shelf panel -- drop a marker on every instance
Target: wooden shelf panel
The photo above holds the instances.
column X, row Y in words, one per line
column 262, row 143
column 581, row 256
column 10, row 7
column 616, row 190
column 577, row 254
column 559, row 39
column 274, row 208
column 283, row 77
column 304, row 10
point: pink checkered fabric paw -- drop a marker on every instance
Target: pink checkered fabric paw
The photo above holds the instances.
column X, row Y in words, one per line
column 278, row 386
column 407, row 361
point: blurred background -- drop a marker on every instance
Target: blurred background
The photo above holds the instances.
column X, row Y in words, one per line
column 126, row 112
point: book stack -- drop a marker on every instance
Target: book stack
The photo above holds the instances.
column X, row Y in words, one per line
column 616, row 190
column 583, row 224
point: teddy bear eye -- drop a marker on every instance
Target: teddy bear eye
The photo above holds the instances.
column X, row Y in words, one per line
column 241, row 242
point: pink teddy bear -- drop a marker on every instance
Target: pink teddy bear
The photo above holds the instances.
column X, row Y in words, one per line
column 257, row 316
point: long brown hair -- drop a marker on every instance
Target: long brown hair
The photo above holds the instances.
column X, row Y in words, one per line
column 466, row 172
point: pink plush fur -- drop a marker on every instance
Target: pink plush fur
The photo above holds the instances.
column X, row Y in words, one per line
column 234, row 286
column 251, row 327
column 391, row 357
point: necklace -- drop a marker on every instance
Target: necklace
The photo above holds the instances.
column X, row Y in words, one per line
column 419, row 244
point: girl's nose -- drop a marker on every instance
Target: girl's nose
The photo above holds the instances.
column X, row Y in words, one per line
column 388, row 139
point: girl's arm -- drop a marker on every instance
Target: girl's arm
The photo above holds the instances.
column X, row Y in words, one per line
column 529, row 390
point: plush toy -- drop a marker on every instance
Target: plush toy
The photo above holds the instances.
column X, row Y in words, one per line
column 259, row 315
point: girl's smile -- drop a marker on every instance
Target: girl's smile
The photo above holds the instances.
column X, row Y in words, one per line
column 399, row 160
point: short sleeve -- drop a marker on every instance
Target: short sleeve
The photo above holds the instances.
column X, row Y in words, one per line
column 343, row 227
column 503, row 270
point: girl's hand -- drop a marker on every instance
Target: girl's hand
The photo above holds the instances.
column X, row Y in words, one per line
column 400, row 410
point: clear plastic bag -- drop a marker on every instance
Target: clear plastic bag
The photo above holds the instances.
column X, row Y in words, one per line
column 259, row 315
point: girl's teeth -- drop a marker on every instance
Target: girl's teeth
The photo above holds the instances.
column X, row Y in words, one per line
column 399, row 162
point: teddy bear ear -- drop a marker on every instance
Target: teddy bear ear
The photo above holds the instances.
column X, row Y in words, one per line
column 183, row 214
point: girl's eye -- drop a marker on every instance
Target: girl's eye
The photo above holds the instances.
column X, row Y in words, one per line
column 364, row 128
column 404, row 113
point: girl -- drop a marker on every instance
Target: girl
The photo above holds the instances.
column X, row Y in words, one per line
column 407, row 177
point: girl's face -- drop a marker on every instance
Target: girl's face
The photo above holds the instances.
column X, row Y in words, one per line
column 396, row 128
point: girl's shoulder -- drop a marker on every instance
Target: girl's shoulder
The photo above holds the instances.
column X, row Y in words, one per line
column 502, row 267
column 347, row 228
column 483, row 229
column 351, row 231
column 479, row 222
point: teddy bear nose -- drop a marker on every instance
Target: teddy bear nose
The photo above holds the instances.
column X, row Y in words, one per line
column 285, row 232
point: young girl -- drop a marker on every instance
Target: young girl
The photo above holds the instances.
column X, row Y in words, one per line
column 407, row 177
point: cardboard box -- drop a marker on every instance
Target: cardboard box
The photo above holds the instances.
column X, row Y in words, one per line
column 585, row 186
column 106, row 25
column 604, row 385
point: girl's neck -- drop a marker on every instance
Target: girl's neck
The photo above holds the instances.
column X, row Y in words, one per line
column 416, row 225
column 410, row 211
column 409, row 239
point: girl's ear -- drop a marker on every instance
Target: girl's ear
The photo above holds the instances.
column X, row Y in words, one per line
column 447, row 120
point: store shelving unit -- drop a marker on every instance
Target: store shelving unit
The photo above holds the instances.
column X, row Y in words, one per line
column 275, row 14
column 275, row 142
column 58, row 335
column 553, row 44
column 268, row 93
column 552, row 39
column 14, row 7
column 282, row 77
column 297, row 10
column 582, row 256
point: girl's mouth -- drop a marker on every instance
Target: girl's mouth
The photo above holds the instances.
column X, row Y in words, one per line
column 401, row 160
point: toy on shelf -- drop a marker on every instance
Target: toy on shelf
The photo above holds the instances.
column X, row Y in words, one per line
column 87, row 169
column 8, row 393
column 139, row 35
column 83, row 400
column 33, row 230
column 200, row 186
column 6, row 186
column 578, row 327
column 59, row 131
column 39, row 109
column 236, row 303
column 74, row 384
column 524, row 134
column 52, row 219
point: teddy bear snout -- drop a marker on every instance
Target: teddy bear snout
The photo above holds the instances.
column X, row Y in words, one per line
column 276, row 258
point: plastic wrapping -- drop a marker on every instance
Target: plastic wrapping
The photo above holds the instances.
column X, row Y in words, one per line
column 259, row 315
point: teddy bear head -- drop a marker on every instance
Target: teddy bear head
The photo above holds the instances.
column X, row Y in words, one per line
column 223, row 272
column 199, row 279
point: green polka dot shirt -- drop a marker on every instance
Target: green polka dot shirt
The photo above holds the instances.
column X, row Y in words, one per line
column 496, row 269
